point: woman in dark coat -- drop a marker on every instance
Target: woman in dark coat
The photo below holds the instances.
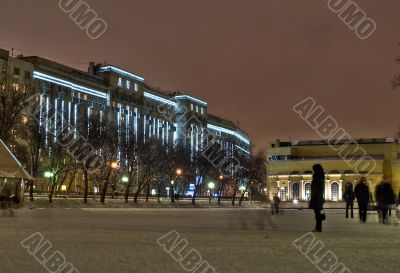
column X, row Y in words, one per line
column 385, row 197
column 317, row 195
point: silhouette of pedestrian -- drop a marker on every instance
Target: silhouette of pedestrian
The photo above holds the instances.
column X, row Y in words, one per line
column 385, row 197
column 275, row 205
column 349, row 197
column 317, row 195
column 361, row 192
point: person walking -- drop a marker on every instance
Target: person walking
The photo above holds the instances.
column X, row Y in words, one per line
column 317, row 195
column 275, row 207
column 385, row 197
column 349, row 197
column 361, row 192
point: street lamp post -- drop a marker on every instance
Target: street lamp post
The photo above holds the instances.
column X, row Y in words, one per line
column 114, row 166
column 50, row 175
column 172, row 192
column 125, row 180
column 178, row 173
column 221, row 181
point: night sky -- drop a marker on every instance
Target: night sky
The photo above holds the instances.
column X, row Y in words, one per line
column 251, row 60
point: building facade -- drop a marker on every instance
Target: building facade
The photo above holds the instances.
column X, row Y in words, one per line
column 122, row 97
column 289, row 166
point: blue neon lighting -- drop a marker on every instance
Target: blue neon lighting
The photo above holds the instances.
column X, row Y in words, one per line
column 240, row 148
column 160, row 99
column 41, row 76
column 120, row 71
column 191, row 98
column 230, row 132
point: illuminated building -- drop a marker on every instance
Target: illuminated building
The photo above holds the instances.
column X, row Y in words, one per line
column 289, row 166
column 125, row 99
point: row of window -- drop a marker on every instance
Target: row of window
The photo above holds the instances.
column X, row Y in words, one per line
column 199, row 110
column 17, row 72
column 127, row 84
column 283, row 192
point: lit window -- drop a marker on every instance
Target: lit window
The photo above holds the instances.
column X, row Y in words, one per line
column 136, row 87
column 202, row 110
column 24, row 120
column 15, row 86
column 119, row 82
column 197, row 108
column 191, row 106
column 128, row 84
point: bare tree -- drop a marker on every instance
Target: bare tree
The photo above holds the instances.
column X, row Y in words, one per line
column 13, row 94
column 202, row 168
column 254, row 171
column 29, row 145
column 149, row 165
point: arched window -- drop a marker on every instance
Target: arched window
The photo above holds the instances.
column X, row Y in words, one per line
column 307, row 191
column 334, row 172
column 296, row 191
column 308, row 172
column 283, row 192
column 295, row 173
column 334, row 191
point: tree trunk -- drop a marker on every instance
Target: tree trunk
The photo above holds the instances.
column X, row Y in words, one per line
column 70, row 182
column 220, row 191
column 158, row 195
column 104, row 192
column 86, row 181
column 242, row 195
column 241, row 199
column 234, row 197
column 194, row 197
column 128, row 186
column 51, row 191
column 136, row 195
column 147, row 193
column 31, row 190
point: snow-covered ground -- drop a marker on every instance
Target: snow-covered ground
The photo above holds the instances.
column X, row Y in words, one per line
column 230, row 240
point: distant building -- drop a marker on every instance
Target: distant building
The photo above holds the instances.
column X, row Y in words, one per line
column 289, row 166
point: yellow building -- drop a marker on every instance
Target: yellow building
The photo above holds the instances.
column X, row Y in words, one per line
column 289, row 166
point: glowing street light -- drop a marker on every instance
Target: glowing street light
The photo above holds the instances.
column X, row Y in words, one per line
column 179, row 171
column 125, row 179
column 48, row 174
column 114, row 164
column 211, row 187
column 172, row 192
